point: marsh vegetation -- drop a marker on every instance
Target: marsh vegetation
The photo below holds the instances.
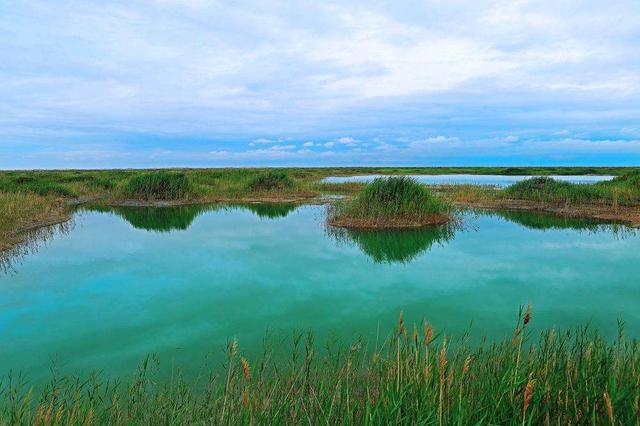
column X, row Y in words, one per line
column 416, row 375
column 621, row 191
column 32, row 198
column 394, row 202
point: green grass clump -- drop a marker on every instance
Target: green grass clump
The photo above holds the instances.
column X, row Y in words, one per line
column 621, row 191
column 551, row 190
column 270, row 181
column 391, row 202
column 158, row 186
column 35, row 185
column 414, row 376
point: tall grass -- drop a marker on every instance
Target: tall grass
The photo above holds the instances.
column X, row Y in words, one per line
column 621, row 191
column 414, row 376
column 270, row 181
column 390, row 202
column 35, row 185
column 20, row 211
column 159, row 185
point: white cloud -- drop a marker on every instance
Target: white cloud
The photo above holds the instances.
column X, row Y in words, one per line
column 251, row 72
column 282, row 147
column 430, row 141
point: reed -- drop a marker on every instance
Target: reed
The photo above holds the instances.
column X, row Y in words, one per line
column 621, row 191
column 571, row 377
column 394, row 202
column 159, row 186
column 419, row 208
column 270, row 181
column 21, row 211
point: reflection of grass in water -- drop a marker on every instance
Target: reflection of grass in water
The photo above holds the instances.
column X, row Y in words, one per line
column 162, row 219
column 269, row 211
column 390, row 246
column 33, row 241
column 544, row 221
column 180, row 218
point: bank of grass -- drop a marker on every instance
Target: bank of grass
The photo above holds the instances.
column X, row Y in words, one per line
column 113, row 187
column 22, row 211
column 621, row 191
column 270, row 181
column 159, row 185
column 414, row 376
column 393, row 202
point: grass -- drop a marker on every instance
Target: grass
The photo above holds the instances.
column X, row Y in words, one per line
column 621, row 191
column 414, row 376
column 390, row 202
column 270, row 181
column 21, row 211
column 112, row 187
column 158, row 185
column 35, row 185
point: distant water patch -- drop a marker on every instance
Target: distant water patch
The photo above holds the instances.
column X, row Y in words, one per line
column 491, row 180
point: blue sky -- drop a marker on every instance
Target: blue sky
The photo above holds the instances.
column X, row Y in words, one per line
column 215, row 83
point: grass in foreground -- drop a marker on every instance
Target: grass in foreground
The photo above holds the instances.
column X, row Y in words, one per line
column 412, row 377
column 393, row 202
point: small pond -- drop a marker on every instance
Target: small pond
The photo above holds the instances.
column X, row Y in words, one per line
column 118, row 284
column 491, row 180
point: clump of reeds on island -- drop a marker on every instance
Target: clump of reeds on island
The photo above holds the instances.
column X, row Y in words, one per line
column 159, row 185
column 416, row 375
column 392, row 202
column 623, row 190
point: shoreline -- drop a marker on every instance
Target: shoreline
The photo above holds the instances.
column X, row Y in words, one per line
column 373, row 224
column 21, row 235
column 629, row 216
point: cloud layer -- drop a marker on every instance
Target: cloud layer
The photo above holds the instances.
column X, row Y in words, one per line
column 164, row 82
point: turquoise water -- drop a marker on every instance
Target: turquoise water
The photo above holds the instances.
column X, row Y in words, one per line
column 458, row 179
column 180, row 282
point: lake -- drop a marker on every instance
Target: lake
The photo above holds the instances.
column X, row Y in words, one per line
column 456, row 179
column 121, row 283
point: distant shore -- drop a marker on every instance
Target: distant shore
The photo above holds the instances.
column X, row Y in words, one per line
column 30, row 199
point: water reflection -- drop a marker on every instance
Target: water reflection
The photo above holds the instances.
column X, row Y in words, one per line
column 33, row 241
column 159, row 219
column 394, row 246
column 548, row 221
column 268, row 211
column 180, row 218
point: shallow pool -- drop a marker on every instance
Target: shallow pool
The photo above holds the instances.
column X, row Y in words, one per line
column 179, row 282
column 491, row 180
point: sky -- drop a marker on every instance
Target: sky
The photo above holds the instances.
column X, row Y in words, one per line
column 167, row 83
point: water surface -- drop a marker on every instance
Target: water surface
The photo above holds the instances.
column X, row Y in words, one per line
column 460, row 179
column 178, row 282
